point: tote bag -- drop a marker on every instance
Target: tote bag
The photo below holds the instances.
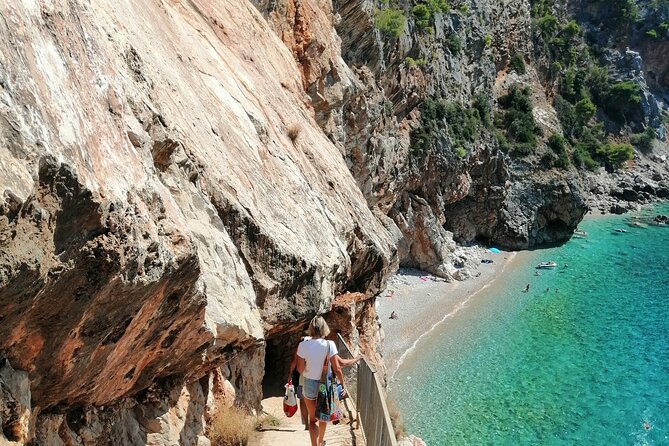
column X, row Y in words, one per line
column 326, row 402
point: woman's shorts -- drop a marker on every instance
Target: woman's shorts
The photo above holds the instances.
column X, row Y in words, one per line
column 310, row 388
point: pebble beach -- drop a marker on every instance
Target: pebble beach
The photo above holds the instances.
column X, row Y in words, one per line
column 422, row 302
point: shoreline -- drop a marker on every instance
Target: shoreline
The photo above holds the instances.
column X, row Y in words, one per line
column 423, row 303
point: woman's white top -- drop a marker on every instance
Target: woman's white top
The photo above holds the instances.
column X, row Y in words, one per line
column 314, row 351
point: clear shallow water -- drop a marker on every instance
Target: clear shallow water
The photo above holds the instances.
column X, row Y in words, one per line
column 586, row 365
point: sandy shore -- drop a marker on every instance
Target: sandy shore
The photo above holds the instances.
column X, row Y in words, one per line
column 422, row 302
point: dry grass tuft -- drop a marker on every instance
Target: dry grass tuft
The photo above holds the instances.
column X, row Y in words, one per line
column 267, row 422
column 231, row 426
column 396, row 419
column 293, row 132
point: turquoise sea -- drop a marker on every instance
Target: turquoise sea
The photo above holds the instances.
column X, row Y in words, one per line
column 580, row 359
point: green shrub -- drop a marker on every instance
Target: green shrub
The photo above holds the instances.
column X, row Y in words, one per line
column 615, row 155
column 502, row 141
column 547, row 24
column 573, row 84
column 517, row 63
column 517, row 120
column 488, row 40
column 598, row 81
column 566, row 114
column 390, row 21
column 438, row 6
column 422, row 15
column 585, row 110
column 453, row 43
column 432, row 114
column 413, row 63
column 482, row 105
column 583, row 159
column 558, row 144
column 570, row 30
column 424, row 12
column 621, row 100
column 644, row 140
column 438, row 117
column 574, row 117
column 463, row 123
column 652, row 34
column 567, row 84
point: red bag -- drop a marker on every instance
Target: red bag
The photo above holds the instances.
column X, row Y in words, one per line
column 289, row 400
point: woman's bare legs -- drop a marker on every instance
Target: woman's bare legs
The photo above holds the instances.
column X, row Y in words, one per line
column 313, row 426
column 304, row 414
column 321, row 431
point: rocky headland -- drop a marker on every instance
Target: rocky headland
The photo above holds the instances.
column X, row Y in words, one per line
column 185, row 184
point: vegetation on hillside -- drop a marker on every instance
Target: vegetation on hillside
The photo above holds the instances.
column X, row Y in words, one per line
column 589, row 103
column 585, row 93
column 391, row 19
column 517, row 131
column 463, row 126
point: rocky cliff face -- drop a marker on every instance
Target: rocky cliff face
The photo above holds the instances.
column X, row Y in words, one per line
column 157, row 218
column 185, row 184
column 366, row 92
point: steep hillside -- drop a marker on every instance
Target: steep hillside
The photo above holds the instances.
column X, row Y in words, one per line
column 160, row 220
column 186, row 183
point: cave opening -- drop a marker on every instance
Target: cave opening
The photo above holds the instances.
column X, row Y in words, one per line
column 558, row 228
column 279, row 351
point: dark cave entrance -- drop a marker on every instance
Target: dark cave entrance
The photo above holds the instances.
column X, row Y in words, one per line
column 279, row 351
column 558, row 229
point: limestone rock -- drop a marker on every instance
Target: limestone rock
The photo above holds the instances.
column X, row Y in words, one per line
column 15, row 407
column 157, row 219
column 185, row 184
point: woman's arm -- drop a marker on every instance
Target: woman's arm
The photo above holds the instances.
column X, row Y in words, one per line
column 347, row 362
column 301, row 364
column 336, row 368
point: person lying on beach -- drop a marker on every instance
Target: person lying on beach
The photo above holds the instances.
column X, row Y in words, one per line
column 393, row 315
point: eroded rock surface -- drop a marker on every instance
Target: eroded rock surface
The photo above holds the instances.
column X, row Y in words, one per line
column 185, row 184
column 157, row 218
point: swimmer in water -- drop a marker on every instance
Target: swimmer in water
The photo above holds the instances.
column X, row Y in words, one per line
column 646, row 425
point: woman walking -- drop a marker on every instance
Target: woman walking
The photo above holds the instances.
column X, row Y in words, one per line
column 311, row 358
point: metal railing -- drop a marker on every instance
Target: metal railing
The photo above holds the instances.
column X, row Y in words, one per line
column 370, row 400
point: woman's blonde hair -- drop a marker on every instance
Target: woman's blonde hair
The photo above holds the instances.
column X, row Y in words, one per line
column 318, row 328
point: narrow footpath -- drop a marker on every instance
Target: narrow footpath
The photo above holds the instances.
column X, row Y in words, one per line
column 291, row 431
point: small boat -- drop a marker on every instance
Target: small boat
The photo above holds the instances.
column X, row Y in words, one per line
column 620, row 230
column 546, row 265
column 579, row 233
